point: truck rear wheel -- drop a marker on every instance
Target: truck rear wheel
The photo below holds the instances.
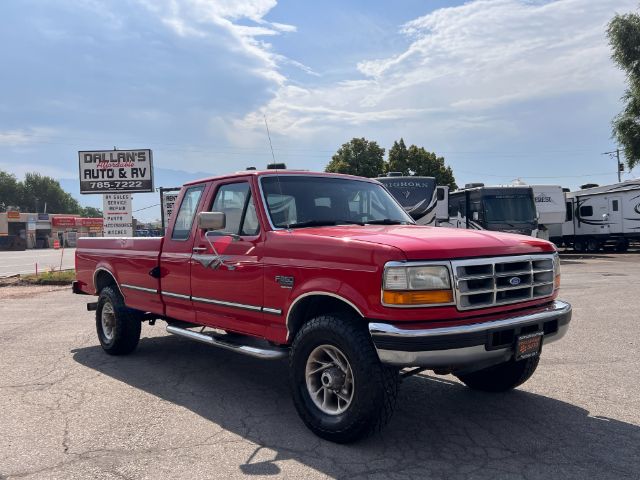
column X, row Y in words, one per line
column 118, row 327
column 502, row 377
column 341, row 390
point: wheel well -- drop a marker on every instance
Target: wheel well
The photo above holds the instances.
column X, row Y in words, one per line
column 314, row 305
column 103, row 279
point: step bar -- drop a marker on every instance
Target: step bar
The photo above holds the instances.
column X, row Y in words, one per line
column 272, row 353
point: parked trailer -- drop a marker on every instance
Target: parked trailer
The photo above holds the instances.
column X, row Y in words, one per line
column 550, row 208
column 508, row 208
column 601, row 215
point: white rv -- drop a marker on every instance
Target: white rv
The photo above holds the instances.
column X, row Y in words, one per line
column 550, row 208
column 503, row 208
column 602, row 215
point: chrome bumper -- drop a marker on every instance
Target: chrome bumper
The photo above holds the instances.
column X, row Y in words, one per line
column 466, row 347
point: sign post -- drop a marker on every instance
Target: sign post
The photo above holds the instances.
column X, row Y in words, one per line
column 116, row 174
column 117, row 214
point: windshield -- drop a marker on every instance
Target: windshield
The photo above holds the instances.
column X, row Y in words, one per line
column 509, row 208
column 296, row 201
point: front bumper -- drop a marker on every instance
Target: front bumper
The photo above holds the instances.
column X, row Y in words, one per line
column 467, row 347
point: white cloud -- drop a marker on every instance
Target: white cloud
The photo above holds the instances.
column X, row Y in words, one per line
column 196, row 17
column 23, row 137
column 461, row 63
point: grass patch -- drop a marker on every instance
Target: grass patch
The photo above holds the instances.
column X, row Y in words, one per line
column 59, row 277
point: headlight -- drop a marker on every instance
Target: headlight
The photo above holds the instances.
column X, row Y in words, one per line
column 419, row 285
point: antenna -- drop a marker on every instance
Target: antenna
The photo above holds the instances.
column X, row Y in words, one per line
column 276, row 169
column 269, row 136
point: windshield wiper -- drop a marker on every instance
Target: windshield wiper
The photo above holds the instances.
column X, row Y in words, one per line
column 311, row 223
column 323, row 223
column 386, row 221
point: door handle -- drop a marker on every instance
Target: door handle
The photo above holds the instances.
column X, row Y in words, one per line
column 199, row 249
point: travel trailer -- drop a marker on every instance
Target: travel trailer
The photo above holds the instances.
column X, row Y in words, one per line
column 550, row 208
column 419, row 196
column 508, row 208
column 599, row 216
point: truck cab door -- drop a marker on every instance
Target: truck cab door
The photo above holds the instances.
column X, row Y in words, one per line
column 227, row 266
column 175, row 259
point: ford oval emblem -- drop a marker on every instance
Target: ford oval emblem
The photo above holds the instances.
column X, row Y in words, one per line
column 514, row 281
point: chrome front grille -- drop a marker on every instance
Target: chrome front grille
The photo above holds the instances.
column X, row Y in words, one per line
column 487, row 282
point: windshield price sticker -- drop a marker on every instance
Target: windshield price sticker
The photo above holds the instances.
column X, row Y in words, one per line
column 116, row 171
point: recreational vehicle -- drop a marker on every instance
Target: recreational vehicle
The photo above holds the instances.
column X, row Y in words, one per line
column 503, row 208
column 419, row 196
column 602, row 215
column 550, row 208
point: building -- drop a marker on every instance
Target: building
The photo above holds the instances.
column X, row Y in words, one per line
column 19, row 231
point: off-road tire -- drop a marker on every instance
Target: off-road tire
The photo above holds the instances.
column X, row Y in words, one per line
column 375, row 386
column 126, row 330
column 502, row 377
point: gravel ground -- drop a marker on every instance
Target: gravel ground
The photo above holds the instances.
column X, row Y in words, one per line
column 26, row 291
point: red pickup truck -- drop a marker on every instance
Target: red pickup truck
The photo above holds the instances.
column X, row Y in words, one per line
column 330, row 272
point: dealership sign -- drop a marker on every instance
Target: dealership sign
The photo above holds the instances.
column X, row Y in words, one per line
column 110, row 171
column 117, row 215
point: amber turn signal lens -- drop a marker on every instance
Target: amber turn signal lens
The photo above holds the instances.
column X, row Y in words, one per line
column 557, row 282
column 420, row 297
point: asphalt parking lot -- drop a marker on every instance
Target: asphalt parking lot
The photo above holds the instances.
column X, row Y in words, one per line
column 176, row 409
column 14, row 263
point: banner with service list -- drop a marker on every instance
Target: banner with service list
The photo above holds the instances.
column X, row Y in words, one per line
column 117, row 215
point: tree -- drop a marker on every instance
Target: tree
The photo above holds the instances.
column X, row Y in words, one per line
column 358, row 157
column 418, row 161
column 91, row 212
column 39, row 189
column 624, row 37
column 35, row 191
column 10, row 191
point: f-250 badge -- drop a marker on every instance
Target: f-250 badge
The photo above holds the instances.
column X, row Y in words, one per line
column 284, row 282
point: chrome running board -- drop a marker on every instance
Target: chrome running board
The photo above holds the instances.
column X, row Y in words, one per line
column 269, row 353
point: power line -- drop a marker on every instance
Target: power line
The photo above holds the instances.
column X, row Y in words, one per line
column 146, row 208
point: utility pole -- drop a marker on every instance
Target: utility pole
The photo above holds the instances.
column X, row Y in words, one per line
column 620, row 166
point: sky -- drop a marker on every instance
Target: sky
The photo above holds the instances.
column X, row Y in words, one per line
column 503, row 89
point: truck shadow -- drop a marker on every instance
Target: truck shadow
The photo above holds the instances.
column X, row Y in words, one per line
column 441, row 429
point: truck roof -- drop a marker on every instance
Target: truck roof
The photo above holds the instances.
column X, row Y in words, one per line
column 281, row 172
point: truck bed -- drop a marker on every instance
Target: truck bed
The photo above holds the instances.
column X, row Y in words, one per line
column 129, row 260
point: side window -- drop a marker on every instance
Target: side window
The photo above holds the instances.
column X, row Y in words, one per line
column 453, row 208
column 569, row 216
column 186, row 214
column 586, row 211
column 614, row 205
column 234, row 200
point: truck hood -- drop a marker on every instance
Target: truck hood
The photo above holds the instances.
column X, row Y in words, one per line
column 434, row 243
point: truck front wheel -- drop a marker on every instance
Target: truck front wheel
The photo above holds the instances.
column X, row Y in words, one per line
column 341, row 390
column 502, row 377
column 118, row 327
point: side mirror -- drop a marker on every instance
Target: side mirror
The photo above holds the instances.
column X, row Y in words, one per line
column 211, row 220
column 605, row 217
